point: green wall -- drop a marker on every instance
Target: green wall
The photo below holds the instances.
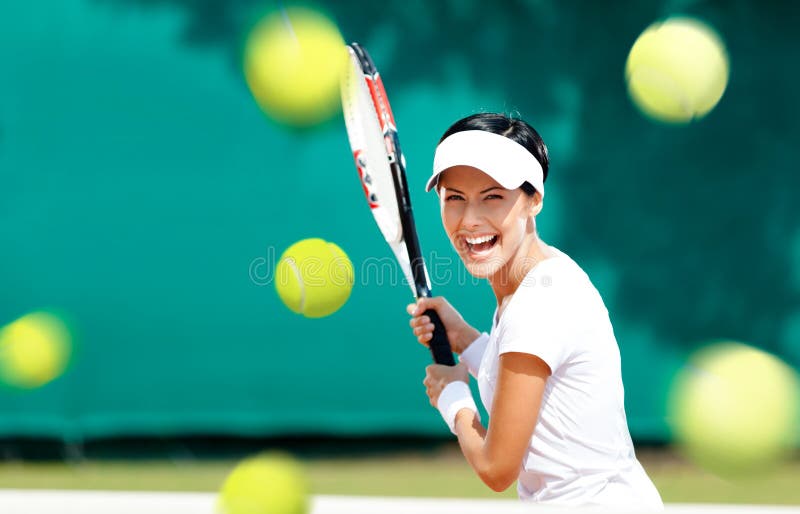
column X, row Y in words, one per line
column 143, row 193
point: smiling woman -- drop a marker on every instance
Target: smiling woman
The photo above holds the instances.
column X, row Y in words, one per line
column 549, row 372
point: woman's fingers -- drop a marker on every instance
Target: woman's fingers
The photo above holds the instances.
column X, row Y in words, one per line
column 423, row 304
column 419, row 321
column 430, row 385
column 422, row 328
column 425, row 330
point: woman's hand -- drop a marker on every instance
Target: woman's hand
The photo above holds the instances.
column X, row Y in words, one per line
column 459, row 332
column 438, row 376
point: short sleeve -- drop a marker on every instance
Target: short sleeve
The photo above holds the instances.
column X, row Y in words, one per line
column 539, row 321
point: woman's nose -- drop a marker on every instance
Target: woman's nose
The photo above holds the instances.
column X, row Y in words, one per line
column 472, row 216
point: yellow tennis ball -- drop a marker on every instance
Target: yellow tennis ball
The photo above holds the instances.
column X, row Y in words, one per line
column 265, row 484
column 677, row 70
column 735, row 409
column 314, row 278
column 293, row 61
column 34, row 350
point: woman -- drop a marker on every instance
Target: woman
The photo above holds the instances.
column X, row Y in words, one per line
column 549, row 371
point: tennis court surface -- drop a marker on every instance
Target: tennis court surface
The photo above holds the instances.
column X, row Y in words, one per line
column 15, row 501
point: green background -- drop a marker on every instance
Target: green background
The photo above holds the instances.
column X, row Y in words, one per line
column 145, row 195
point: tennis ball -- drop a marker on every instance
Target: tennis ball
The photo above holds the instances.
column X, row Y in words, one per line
column 34, row 350
column 314, row 278
column 293, row 60
column 677, row 70
column 265, row 484
column 735, row 409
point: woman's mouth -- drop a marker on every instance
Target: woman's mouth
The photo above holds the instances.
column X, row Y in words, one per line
column 481, row 245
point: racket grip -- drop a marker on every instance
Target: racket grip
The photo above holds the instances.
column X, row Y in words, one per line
column 439, row 344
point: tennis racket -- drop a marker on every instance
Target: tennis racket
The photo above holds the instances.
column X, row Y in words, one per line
column 381, row 167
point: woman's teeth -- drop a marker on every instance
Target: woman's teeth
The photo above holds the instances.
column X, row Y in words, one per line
column 478, row 240
column 480, row 244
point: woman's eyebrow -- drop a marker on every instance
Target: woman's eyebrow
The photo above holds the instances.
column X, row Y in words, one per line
column 480, row 193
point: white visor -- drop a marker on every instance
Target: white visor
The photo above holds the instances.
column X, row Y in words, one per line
column 506, row 161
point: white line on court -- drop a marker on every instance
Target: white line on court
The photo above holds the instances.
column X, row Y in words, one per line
column 34, row 501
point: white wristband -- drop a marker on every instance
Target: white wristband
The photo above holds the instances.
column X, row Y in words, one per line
column 454, row 397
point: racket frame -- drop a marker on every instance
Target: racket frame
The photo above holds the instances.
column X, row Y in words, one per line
column 439, row 344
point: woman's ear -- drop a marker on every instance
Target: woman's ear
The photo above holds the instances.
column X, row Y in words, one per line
column 537, row 202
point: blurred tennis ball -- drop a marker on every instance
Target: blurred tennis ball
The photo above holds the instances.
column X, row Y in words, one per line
column 677, row 70
column 735, row 409
column 314, row 278
column 34, row 350
column 265, row 484
column 293, row 60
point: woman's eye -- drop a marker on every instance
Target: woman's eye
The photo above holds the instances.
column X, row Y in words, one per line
column 493, row 197
column 453, row 197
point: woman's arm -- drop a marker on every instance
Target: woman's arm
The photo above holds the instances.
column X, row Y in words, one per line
column 496, row 455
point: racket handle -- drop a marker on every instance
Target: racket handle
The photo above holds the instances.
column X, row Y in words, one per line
column 439, row 344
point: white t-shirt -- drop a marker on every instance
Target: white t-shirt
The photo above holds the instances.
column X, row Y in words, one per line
column 580, row 452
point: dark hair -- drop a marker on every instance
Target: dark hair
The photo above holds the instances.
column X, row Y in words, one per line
column 515, row 129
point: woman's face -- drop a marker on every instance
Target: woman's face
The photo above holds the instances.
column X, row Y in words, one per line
column 489, row 226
